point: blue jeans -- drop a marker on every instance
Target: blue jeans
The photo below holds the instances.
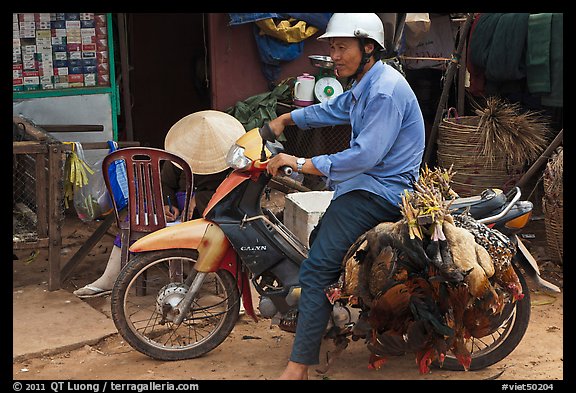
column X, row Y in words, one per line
column 347, row 217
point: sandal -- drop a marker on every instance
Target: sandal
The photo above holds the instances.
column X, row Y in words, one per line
column 90, row 291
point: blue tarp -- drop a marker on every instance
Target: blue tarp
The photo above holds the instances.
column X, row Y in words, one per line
column 319, row 20
column 273, row 51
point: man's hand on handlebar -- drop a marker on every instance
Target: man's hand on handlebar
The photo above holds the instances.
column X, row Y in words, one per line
column 278, row 164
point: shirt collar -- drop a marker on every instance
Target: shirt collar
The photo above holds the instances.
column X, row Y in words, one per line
column 359, row 87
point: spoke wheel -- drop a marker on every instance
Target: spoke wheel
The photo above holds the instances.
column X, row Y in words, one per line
column 494, row 347
column 146, row 292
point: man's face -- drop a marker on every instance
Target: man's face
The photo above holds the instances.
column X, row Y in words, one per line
column 346, row 55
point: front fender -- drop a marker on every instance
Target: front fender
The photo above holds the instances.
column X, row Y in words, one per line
column 188, row 234
column 201, row 234
column 214, row 251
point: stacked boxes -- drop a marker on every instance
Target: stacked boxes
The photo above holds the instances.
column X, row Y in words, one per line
column 59, row 51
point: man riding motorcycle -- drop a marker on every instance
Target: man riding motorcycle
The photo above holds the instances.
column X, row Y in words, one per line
column 368, row 178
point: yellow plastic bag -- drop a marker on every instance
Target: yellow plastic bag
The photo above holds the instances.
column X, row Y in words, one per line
column 290, row 30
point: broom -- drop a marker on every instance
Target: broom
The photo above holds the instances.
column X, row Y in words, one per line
column 506, row 130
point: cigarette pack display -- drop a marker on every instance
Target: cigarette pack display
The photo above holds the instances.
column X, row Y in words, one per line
column 60, row 50
column 75, row 55
column 58, row 24
column 60, row 70
column 88, row 23
column 103, row 79
column 90, row 79
column 43, row 25
column 60, row 63
column 75, row 78
column 27, row 33
column 74, row 70
column 91, row 69
column 17, row 70
column 100, row 19
column 31, row 80
column 28, row 73
column 102, row 56
column 103, row 68
column 89, row 62
column 28, row 25
column 42, row 17
column 73, row 47
column 46, row 82
column 101, row 31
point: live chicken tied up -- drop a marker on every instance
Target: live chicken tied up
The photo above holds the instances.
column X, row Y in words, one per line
column 428, row 283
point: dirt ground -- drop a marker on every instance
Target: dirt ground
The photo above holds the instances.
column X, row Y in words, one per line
column 259, row 351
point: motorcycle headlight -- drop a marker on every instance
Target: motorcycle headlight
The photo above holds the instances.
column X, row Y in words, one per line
column 236, row 158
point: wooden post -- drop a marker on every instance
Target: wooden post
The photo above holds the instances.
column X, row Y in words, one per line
column 452, row 67
column 542, row 159
column 55, row 213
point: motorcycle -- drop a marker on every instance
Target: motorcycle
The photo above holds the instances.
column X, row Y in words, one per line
column 179, row 295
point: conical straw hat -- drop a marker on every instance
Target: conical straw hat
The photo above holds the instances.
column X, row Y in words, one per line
column 203, row 139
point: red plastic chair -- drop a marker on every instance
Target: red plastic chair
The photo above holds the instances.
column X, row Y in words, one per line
column 145, row 208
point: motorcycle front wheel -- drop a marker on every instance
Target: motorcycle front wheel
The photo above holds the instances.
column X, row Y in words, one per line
column 143, row 300
column 493, row 348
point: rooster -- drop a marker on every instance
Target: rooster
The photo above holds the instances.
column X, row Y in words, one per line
column 382, row 255
column 390, row 309
column 509, row 281
column 471, row 258
column 501, row 251
column 405, row 318
column 459, row 298
column 480, row 322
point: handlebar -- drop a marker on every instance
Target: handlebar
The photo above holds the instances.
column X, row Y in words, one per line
column 286, row 170
column 511, row 203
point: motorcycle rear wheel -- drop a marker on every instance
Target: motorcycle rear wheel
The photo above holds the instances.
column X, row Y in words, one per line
column 493, row 348
column 151, row 284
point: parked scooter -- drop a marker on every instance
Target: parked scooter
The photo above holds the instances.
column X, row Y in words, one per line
column 179, row 295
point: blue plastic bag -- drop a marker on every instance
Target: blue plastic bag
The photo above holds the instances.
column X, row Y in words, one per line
column 118, row 179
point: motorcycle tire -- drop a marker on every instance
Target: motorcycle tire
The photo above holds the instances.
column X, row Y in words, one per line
column 151, row 284
column 501, row 342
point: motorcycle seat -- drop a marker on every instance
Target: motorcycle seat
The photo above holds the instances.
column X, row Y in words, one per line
column 489, row 201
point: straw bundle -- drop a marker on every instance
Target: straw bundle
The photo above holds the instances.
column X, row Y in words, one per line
column 492, row 149
column 553, row 205
column 506, row 129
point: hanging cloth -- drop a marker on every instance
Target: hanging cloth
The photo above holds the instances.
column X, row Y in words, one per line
column 538, row 53
column 556, row 96
column 273, row 51
column 290, row 31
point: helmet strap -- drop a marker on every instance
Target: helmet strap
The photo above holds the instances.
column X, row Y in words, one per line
column 365, row 57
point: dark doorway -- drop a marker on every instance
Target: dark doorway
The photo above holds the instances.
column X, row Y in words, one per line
column 167, row 69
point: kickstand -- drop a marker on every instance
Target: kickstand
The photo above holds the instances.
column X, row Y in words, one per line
column 331, row 356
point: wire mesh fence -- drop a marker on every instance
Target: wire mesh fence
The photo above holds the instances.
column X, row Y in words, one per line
column 32, row 183
column 313, row 142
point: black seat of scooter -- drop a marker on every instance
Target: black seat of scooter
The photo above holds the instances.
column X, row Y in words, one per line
column 489, row 201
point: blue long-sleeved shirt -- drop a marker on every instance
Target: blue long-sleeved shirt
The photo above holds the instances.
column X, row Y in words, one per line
column 387, row 140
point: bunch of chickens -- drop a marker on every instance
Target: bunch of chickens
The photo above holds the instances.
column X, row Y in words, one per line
column 429, row 282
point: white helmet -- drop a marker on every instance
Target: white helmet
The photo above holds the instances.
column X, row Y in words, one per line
column 355, row 25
